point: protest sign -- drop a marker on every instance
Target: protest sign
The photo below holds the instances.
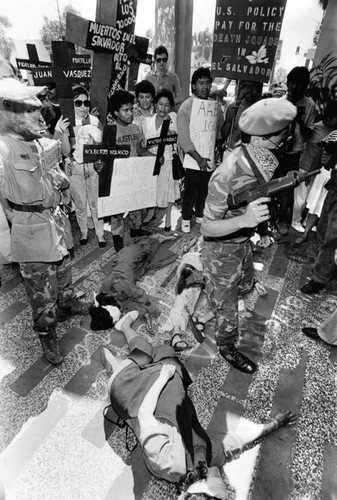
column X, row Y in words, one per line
column 246, row 36
column 203, row 131
column 133, row 186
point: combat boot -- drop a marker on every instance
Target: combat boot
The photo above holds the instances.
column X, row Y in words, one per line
column 51, row 347
column 73, row 308
column 237, row 359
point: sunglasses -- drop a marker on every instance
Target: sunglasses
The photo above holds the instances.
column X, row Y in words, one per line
column 78, row 103
column 161, row 59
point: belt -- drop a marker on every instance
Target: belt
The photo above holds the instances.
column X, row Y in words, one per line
column 29, row 208
column 220, row 238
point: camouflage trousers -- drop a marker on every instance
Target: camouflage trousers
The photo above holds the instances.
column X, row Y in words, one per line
column 325, row 266
column 229, row 272
column 117, row 222
column 49, row 287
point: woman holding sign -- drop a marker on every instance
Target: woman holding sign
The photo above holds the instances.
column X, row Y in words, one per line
column 167, row 188
column 83, row 176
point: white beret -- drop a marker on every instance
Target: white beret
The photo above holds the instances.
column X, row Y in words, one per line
column 12, row 89
column 267, row 116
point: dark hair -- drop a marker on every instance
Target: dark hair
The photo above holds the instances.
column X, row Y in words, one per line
column 299, row 74
column 160, row 50
column 330, row 110
column 78, row 90
column 164, row 93
column 118, row 99
column 145, row 87
column 200, row 73
column 100, row 317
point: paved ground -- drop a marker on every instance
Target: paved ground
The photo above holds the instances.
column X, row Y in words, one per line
column 56, row 444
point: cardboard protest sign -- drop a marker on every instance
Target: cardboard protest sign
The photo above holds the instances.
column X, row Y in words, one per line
column 133, row 186
column 246, row 36
column 203, row 131
column 50, row 156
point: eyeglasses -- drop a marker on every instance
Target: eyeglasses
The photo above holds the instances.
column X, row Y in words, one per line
column 78, row 103
column 161, row 59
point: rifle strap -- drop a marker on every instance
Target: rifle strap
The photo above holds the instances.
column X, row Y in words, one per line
column 259, row 177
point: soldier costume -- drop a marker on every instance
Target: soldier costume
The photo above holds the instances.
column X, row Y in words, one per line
column 31, row 180
column 225, row 248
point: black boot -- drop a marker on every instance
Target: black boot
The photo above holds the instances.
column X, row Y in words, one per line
column 118, row 242
column 312, row 287
column 237, row 359
column 51, row 347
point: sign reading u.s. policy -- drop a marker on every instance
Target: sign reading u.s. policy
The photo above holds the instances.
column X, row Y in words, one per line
column 246, row 34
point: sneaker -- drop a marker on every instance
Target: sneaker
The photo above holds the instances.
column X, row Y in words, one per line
column 134, row 233
column 237, row 359
column 51, row 347
column 198, row 220
column 312, row 287
column 298, row 227
column 185, row 226
column 109, row 361
column 118, row 242
column 133, row 315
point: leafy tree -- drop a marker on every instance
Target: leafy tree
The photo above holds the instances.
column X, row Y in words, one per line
column 151, row 36
column 6, row 43
column 280, row 75
column 55, row 29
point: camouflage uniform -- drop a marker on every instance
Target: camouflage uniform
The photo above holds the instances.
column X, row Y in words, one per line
column 228, row 260
column 37, row 237
column 49, row 288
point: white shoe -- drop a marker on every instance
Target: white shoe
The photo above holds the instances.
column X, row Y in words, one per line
column 198, row 220
column 109, row 361
column 298, row 227
column 132, row 314
column 185, row 226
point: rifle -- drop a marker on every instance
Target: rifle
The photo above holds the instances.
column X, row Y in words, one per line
column 275, row 186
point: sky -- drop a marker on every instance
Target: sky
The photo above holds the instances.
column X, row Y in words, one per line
column 299, row 23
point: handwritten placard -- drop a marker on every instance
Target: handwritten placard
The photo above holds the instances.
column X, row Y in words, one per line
column 51, row 156
column 133, row 186
column 203, row 130
column 246, row 35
